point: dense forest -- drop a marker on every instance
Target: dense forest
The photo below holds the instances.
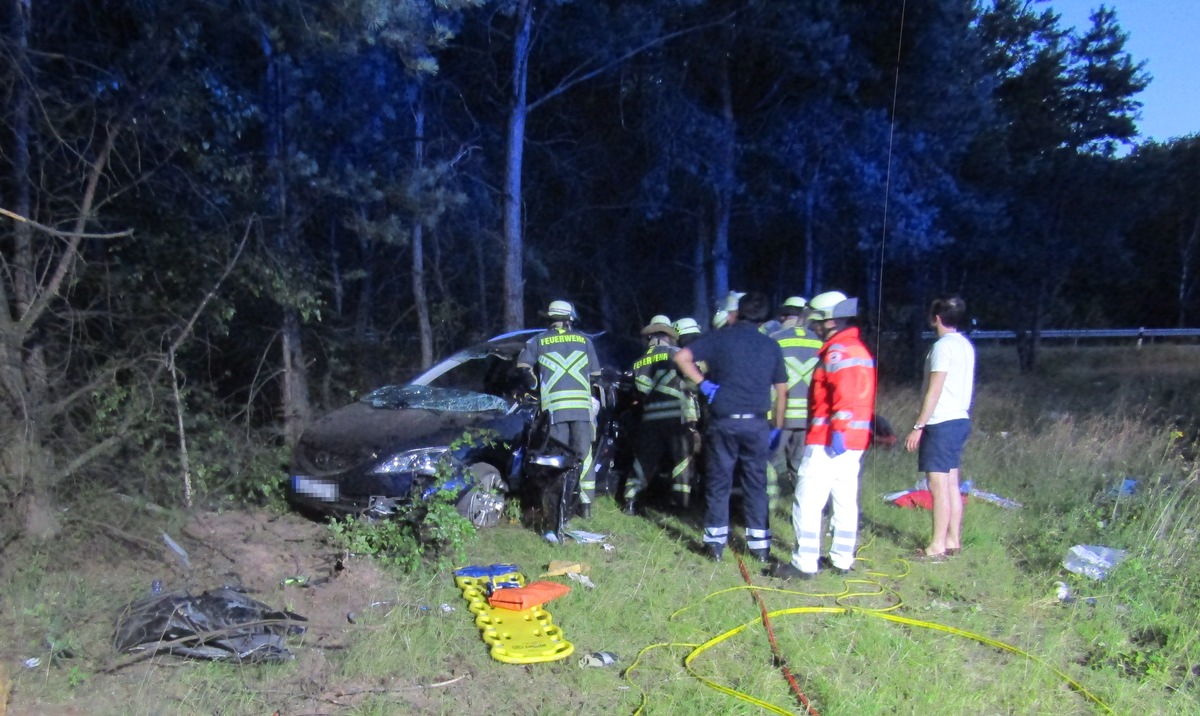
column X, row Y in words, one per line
column 222, row 216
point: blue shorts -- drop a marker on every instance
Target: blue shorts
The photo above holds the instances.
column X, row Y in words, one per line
column 942, row 445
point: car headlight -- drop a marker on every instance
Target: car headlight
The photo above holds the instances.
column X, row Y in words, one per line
column 423, row 461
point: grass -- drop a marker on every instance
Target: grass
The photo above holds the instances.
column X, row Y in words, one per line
column 1057, row 442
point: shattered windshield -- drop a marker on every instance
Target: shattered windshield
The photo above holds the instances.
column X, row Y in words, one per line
column 425, row 397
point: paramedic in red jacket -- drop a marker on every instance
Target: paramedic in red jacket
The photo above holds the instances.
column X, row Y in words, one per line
column 841, row 403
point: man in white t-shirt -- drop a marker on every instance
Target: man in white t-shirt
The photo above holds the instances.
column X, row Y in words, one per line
column 944, row 423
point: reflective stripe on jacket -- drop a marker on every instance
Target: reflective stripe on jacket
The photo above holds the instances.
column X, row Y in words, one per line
column 842, row 395
column 800, row 351
column 658, row 380
column 565, row 362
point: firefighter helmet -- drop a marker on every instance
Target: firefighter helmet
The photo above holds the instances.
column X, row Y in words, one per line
column 686, row 327
column 793, row 306
column 561, row 309
column 833, row 304
column 660, row 324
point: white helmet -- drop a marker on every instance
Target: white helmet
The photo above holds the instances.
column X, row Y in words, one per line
column 687, row 326
column 720, row 318
column 561, row 309
column 732, row 300
column 833, row 304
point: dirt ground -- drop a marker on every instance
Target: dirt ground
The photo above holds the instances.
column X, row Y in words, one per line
column 282, row 560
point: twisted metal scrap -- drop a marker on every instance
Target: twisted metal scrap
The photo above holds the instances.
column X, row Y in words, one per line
column 220, row 625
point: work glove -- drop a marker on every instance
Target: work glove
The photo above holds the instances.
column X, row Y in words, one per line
column 837, row 444
column 709, row 389
column 776, row 435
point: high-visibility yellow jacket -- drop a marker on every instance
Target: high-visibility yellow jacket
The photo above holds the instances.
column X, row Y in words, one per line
column 663, row 388
column 565, row 362
column 800, row 349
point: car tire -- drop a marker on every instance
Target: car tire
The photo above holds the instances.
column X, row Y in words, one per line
column 483, row 505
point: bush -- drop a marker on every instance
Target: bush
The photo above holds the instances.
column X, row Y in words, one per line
column 419, row 531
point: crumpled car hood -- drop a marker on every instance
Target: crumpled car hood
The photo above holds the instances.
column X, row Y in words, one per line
column 358, row 433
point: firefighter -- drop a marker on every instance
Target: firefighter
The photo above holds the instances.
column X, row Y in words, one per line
column 727, row 313
column 800, row 347
column 561, row 362
column 841, row 403
column 742, row 366
column 688, row 330
column 668, row 416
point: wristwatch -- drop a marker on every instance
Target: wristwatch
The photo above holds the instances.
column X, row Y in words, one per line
column 919, row 426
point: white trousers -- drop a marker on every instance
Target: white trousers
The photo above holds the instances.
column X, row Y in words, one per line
column 820, row 477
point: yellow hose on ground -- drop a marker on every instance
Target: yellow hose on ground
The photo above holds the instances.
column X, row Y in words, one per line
column 880, row 590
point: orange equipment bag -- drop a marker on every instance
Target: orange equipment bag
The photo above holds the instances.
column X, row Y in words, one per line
column 918, row 499
column 531, row 595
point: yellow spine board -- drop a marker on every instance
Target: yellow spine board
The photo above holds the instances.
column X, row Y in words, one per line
column 525, row 637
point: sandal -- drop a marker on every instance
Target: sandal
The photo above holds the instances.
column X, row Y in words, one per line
column 922, row 556
column 599, row 658
column 953, row 551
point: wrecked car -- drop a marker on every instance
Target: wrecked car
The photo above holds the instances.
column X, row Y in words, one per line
column 467, row 424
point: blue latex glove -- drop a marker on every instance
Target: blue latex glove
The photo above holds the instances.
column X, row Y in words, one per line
column 709, row 389
column 837, row 444
column 776, row 434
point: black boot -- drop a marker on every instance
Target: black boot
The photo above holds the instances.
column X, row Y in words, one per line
column 762, row 555
column 715, row 551
column 630, row 507
column 585, row 510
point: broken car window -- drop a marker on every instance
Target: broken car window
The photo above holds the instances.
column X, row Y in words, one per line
column 425, row 397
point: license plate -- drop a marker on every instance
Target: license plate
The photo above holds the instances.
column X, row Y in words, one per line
column 316, row 489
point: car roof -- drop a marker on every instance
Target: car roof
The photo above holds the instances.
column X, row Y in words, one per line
column 506, row 344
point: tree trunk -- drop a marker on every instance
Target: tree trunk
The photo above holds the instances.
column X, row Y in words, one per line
column 1189, row 242
column 297, row 410
column 294, row 396
column 366, row 285
column 514, row 280
column 481, row 272
column 724, row 189
column 1029, row 340
column 810, row 239
column 23, row 270
column 418, row 239
column 335, row 272
column 703, row 302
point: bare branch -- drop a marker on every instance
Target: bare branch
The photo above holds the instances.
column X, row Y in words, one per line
column 187, row 329
column 67, row 260
column 570, row 81
column 63, row 234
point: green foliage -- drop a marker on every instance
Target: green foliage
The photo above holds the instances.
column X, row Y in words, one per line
column 420, row 532
column 426, row 531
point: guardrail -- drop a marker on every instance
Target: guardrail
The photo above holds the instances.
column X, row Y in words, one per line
column 1084, row 333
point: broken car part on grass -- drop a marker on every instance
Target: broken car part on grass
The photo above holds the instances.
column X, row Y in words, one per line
column 217, row 625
